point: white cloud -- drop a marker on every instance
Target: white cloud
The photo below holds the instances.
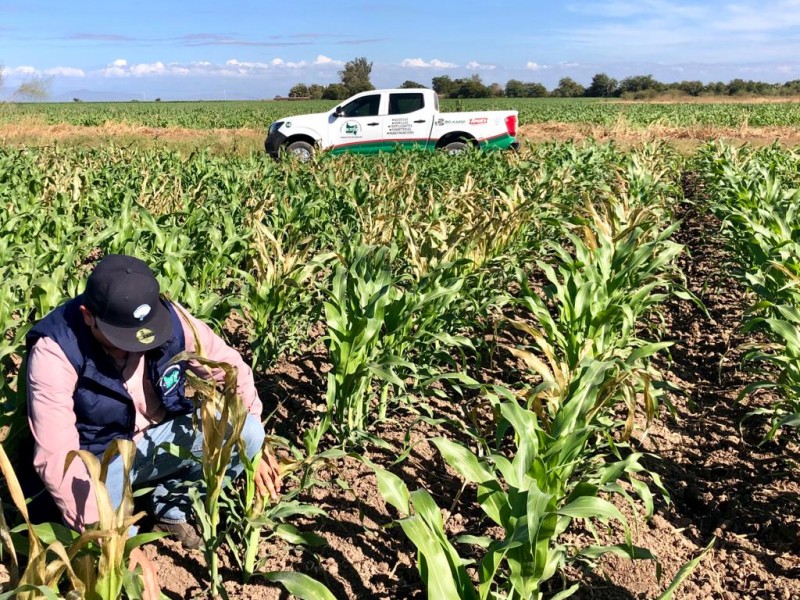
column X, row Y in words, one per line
column 325, row 60
column 532, row 66
column 23, row 70
column 247, row 66
column 65, row 72
column 414, row 63
column 156, row 68
column 121, row 68
column 481, row 67
column 418, row 63
column 277, row 62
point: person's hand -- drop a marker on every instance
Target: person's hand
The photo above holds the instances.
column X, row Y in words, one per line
column 152, row 589
column 268, row 476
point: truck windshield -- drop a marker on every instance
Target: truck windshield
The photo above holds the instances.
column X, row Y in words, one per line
column 366, row 106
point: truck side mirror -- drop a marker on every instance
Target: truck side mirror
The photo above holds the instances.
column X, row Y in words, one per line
column 338, row 112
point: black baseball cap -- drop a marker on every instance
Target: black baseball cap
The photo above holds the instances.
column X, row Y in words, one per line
column 123, row 295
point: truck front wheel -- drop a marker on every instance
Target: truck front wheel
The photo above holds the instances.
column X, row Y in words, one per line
column 455, row 147
column 303, row 151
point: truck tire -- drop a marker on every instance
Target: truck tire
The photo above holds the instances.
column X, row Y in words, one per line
column 301, row 150
column 455, row 147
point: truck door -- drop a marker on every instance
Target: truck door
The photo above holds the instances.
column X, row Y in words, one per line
column 360, row 126
column 409, row 121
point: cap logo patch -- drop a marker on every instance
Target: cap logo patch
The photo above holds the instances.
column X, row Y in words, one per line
column 145, row 335
column 141, row 311
column 170, row 379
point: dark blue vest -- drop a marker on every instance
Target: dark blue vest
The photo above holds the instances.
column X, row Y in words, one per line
column 103, row 407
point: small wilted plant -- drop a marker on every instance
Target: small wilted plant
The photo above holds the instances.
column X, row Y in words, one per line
column 221, row 416
column 98, row 563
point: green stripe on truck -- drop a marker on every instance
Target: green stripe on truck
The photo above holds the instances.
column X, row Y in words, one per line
column 499, row 142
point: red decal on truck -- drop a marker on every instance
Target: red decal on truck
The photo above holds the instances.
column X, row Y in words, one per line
column 479, row 121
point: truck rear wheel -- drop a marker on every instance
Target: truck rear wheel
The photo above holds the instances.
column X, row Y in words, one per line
column 455, row 147
column 301, row 150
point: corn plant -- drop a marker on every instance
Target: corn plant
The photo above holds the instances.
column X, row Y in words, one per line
column 360, row 293
column 441, row 568
column 280, row 299
column 221, row 418
column 599, row 296
column 533, row 498
column 756, row 198
column 98, row 562
column 253, row 519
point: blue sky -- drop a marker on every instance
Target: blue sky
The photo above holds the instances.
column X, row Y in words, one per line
column 210, row 50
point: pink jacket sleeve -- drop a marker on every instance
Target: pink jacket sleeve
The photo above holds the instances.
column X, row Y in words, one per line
column 51, row 383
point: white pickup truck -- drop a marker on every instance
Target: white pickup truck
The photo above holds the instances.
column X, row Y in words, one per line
column 384, row 120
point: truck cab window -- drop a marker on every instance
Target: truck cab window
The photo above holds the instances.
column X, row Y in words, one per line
column 366, row 106
column 401, row 104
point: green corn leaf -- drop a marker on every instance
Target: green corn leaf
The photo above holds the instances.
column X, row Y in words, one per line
column 463, row 461
column 393, row 490
column 588, row 508
column 301, row 585
column 685, row 571
column 291, row 534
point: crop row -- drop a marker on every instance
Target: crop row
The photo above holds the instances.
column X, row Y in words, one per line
column 756, row 195
column 259, row 114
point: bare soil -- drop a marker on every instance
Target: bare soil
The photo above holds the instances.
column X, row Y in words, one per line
column 724, row 484
column 683, row 138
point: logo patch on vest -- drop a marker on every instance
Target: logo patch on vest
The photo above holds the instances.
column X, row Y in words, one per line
column 169, row 380
column 145, row 335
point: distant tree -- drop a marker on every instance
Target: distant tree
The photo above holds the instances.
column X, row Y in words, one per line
column 639, row 83
column 515, row 88
column 355, row 76
column 791, row 88
column 77, row 100
column 497, row 90
column 471, row 87
column 535, row 90
column 410, row 85
column 335, row 91
column 717, row 88
column 36, row 88
column 443, row 85
column 602, row 86
column 693, row 88
column 569, row 88
column 315, row 91
column 158, row 99
column 299, row 90
column 737, row 86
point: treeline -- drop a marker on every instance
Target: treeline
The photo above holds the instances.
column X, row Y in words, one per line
column 355, row 78
column 638, row 87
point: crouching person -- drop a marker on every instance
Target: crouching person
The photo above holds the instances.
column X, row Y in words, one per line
column 99, row 369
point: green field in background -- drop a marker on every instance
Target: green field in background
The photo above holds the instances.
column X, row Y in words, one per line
column 259, row 114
